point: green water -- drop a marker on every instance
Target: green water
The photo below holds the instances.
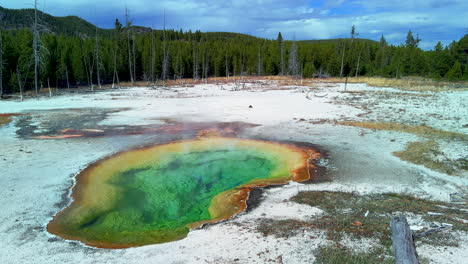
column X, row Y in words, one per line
column 156, row 202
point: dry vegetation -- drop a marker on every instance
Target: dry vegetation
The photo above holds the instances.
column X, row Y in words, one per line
column 410, row 84
column 338, row 254
column 345, row 213
column 428, row 154
column 425, row 153
column 422, row 130
column 6, row 118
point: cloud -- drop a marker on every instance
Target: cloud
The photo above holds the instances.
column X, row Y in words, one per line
column 307, row 19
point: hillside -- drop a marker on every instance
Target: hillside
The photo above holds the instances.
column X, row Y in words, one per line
column 11, row 19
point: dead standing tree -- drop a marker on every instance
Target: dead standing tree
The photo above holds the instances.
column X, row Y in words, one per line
column 205, row 64
column 358, row 61
column 179, row 67
column 242, row 73
column 2, row 63
column 353, row 35
column 153, row 58
column 134, row 56
column 259, row 62
column 87, row 58
column 38, row 50
column 293, row 64
column 96, row 59
column 226, row 65
column 165, row 62
column 128, row 28
column 195, row 62
column 281, row 50
column 118, row 29
column 22, row 79
column 342, row 58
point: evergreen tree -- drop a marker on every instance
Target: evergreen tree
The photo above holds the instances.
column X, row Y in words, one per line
column 412, row 42
column 281, row 52
column 455, row 73
column 71, row 60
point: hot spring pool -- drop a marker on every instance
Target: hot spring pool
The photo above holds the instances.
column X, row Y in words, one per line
column 157, row 194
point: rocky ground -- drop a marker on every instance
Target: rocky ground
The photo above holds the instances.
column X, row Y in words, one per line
column 370, row 135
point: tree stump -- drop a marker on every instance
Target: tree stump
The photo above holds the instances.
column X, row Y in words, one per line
column 403, row 244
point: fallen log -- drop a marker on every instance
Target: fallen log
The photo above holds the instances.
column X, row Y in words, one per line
column 402, row 240
column 434, row 230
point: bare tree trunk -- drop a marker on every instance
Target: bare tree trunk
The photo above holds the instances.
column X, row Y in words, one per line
column 134, row 58
column 207, row 61
column 129, row 58
column 346, row 83
column 259, row 63
column 165, row 64
column 195, row 62
column 89, row 71
column 35, row 50
column 227, row 67
column 48, row 84
column 302, row 73
column 282, row 57
column 68, row 82
column 242, row 73
column 179, row 67
column 153, row 57
column 20, row 84
column 398, row 69
column 358, row 61
column 91, row 66
column 403, row 244
column 242, row 65
column 128, row 28
column 215, row 69
column 91, row 79
column 115, row 77
column 97, row 60
column 1, row 65
column 342, row 59
column 293, row 67
column 203, row 66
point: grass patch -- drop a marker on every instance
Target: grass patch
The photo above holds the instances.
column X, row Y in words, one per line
column 344, row 210
column 336, row 254
column 281, row 228
column 426, row 153
column 408, row 84
column 4, row 120
column 422, row 130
